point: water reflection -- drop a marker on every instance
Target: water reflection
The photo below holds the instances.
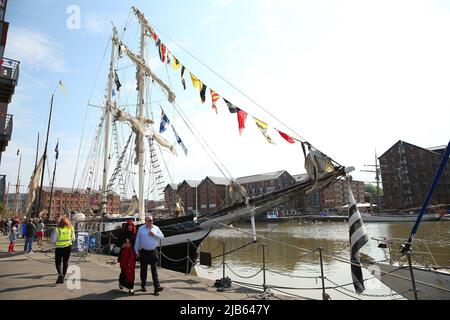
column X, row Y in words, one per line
column 287, row 242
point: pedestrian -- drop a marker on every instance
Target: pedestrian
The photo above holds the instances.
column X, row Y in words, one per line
column 12, row 238
column 40, row 228
column 127, row 257
column 30, row 231
column 147, row 240
column 63, row 237
column 24, row 228
column 5, row 228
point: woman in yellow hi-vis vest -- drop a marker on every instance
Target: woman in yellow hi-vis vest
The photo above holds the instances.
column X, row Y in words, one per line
column 63, row 237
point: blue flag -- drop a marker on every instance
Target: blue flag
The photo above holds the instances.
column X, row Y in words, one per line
column 180, row 142
column 164, row 122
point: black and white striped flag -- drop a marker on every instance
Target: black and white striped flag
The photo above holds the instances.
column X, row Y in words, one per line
column 358, row 238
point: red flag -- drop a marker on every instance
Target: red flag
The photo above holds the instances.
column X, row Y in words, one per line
column 162, row 52
column 155, row 37
column 286, row 137
column 214, row 97
column 242, row 116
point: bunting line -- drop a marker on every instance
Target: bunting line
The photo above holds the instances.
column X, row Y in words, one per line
column 215, row 97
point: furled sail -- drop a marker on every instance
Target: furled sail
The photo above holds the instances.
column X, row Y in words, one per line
column 133, row 207
column 317, row 164
column 32, row 187
column 141, row 127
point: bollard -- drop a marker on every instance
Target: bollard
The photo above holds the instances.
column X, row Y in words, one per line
column 264, row 268
column 412, row 276
column 322, row 277
column 187, row 258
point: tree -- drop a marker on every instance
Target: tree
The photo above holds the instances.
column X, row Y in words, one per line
column 370, row 188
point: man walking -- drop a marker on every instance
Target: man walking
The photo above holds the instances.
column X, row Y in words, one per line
column 147, row 240
column 29, row 236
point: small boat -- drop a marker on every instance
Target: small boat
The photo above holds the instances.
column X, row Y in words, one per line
column 431, row 283
column 412, row 281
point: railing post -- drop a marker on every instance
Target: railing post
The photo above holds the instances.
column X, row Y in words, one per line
column 321, row 275
column 264, row 268
column 223, row 260
column 187, row 257
column 412, row 276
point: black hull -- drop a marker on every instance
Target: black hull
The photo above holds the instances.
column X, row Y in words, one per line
column 175, row 248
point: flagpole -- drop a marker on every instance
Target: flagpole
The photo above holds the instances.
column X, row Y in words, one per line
column 16, row 196
column 35, row 212
column 53, row 181
column 37, row 152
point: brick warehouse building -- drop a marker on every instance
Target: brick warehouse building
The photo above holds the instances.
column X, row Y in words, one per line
column 188, row 192
column 407, row 172
column 213, row 194
column 65, row 198
column 170, row 196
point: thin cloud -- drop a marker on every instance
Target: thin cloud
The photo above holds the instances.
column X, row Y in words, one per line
column 35, row 49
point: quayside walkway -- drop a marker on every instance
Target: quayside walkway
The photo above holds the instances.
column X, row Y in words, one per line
column 32, row 277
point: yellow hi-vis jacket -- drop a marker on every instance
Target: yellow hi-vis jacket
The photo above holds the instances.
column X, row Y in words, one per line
column 64, row 237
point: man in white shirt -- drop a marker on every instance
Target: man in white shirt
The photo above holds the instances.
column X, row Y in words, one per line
column 147, row 240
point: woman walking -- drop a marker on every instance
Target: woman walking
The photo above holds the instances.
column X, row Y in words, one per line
column 63, row 237
column 40, row 232
column 127, row 257
column 12, row 237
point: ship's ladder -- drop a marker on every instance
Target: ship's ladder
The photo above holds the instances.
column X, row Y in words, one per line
column 159, row 182
column 118, row 174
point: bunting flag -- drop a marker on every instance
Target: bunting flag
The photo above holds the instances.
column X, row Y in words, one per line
column 196, row 82
column 155, row 37
column 18, row 151
column 214, row 97
column 164, row 122
column 203, row 93
column 63, row 88
column 180, row 142
column 358, row 238
column 286, row 137
column 231, row 107
column 176, row 65
column 169, row 61
column 242, row 116
column 57, row 150
column 113, row 93
column 162, row 52
column 183, row 69
column 263, row 127
column 117, row 81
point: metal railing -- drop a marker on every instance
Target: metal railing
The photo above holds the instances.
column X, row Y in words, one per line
column 6, row 126
column 9, row 69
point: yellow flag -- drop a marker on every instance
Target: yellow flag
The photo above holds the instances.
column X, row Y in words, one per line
column 263, row 127
column 63, row 88
column 176, row 65
column 196, row 82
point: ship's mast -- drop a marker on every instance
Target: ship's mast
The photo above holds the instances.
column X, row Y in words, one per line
column 141, row 105
column 108, row 125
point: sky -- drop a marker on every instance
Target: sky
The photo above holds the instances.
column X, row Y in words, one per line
column 350, row 77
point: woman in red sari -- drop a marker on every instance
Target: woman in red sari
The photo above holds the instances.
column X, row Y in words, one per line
column 127, row 257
